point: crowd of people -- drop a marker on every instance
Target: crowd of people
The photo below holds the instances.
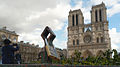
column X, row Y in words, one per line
column 10, row 53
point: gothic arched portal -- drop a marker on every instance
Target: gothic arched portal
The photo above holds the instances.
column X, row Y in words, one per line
column 87, row 53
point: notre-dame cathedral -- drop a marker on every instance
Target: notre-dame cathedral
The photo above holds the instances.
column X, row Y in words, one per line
column 90, row 39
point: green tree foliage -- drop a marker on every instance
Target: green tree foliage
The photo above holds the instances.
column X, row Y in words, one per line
column 76, row 59
column 116, row 58
column 105, row 59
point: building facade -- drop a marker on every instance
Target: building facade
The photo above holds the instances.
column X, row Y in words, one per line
column 90, row 39
column 6, row 34
column 29, row 52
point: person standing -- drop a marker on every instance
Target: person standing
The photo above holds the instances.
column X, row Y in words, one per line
column 0, row 55
column 18, row 57
column 8, row 52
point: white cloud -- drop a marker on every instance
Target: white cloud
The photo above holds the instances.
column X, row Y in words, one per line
column 85, row 10
column 29, row 17
column 78, row 5
column 55, row 16
column 114, row 10
column 32, row 37
column 115, row 39
column 25, row 15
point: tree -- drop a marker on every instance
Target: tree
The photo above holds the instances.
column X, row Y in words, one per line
column 105, row 59
column 77, row 56
column 116, row 58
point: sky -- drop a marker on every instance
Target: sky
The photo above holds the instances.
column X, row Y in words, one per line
column 29, row 18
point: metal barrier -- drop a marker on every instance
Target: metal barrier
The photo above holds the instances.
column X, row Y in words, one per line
column 47, row 65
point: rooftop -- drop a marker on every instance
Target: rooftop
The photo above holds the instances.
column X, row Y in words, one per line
column 102, row 4
column 4, row 29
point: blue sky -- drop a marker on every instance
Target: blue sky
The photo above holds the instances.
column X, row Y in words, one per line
column 114, row 22
column 29, row 18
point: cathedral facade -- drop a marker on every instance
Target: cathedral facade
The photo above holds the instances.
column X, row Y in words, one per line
column 90, row 39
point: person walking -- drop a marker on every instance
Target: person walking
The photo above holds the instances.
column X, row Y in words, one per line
column 8, row 52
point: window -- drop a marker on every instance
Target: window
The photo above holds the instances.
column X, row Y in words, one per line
column 96, row 28
column 9, row 37
column 73, row 42
column 83, row 29
column 15, row 40
column 101, row 27
column 77, row 42
column 100, row 13
column 76, row 19
column 97, row 40
column 3, row 37
column 88, row 29
column 96, row 17
column 102, row 40
column 73, row 20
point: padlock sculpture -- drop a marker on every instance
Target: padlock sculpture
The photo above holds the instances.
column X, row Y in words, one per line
column 48, row 40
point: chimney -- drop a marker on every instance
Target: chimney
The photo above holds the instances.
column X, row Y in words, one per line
column 13, row 31
column 33, row 44
column 21, row 41
column 4, row 28
column 28, row 43
column 37, row 45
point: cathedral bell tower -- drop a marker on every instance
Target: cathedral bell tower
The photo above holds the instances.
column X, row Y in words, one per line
column 75, row 23
column 100, row 24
